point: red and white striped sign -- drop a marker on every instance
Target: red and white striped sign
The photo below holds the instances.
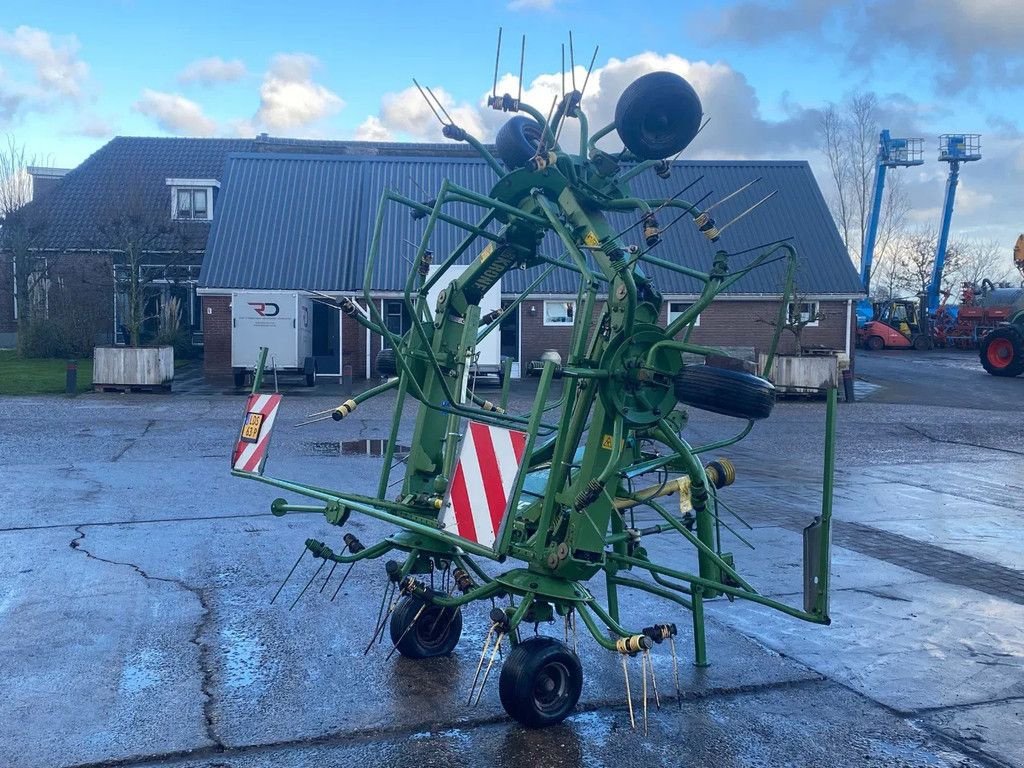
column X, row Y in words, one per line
column 251, row 449
column 482, row 482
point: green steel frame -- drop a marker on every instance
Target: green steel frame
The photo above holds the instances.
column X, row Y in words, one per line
column 617, row 396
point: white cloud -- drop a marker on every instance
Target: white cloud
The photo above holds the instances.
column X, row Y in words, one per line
column 372, row 129
column 737, row 128
column 290, row 99
column 211, row 71
column 175, row 114
column 55, row 61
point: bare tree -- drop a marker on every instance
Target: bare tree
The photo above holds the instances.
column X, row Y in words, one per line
column 916, row 259
column 148, row 249
column 850, row 143
column 799, row 314
column 985, row 259
column 22, row 228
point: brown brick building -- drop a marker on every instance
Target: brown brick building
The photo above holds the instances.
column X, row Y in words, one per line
column 291, row 216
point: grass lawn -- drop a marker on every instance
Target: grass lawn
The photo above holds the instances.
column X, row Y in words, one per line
column 39, row 376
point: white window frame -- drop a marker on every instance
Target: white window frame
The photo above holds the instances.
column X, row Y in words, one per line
column 814, row 312
column 564, row 321
column 674, row 314
column 177, row 185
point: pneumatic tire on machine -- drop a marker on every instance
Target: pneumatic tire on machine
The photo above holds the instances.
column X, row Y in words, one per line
column 1002, row 352
column 658, row 115
column 540, row 682
column 434, row 632
column 720, row 390
column 517, row 141
column 875, row 343
column 386, row 364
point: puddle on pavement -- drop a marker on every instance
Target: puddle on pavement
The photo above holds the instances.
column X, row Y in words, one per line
column 246, row 660
column 142, row 671
column 369, row 447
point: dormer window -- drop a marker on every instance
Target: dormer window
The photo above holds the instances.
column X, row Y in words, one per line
column 192, row 199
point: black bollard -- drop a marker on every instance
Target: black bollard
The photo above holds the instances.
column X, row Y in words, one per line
column 848, row 385
column 71, row 381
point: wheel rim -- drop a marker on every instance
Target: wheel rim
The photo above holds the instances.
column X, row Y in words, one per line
column 551, row 687
column 1000, row 353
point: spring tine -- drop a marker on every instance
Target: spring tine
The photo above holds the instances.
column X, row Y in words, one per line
column 497, row 58
column 629, row 697
column 308, row 583
column 440, row 105
column 654, row 680
column 487, row 672
column 329, row 574
column 675, row 668
column 749, row 210
column 420, row 89
column 288, row 576
column 314, row 420
column 732, row 194
column 397, row 598
column 643, row 674
column 380, row 621
column 342, row 584
column 412, row 624
column 480, row 664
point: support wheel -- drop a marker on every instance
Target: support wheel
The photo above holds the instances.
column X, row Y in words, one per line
column 658, row 115
column 720, row 390
column 875, row 343
column 540, row 682
column 435, row 633
column 518, row 141
column 1002, row 352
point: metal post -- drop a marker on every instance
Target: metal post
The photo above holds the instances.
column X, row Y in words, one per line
column 71, row 379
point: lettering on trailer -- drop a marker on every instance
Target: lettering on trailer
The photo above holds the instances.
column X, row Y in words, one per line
column 250, row 452
column 485, row 473
column 265, row 308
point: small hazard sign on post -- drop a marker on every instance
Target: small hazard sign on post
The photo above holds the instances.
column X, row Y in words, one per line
column 250, row 452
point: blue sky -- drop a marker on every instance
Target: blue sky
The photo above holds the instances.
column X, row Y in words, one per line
column 73, row 74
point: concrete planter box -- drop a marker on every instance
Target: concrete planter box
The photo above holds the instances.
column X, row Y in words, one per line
column 133, row 368
column 802, row 375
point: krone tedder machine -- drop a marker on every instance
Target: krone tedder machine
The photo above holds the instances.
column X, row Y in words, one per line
column 552, row 494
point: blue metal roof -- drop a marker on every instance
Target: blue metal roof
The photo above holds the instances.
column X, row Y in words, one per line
column 301, row 221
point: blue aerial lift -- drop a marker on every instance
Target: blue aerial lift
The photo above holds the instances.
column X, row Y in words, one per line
column 892, row 153
column 906, row 323
column 954, row 148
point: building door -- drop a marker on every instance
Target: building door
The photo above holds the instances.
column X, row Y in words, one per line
column 326, row 339
column 510, row 337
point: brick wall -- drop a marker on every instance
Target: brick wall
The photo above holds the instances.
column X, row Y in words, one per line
column 216, row 338
column 725, row 323
column 353, row 345
column 7, row 322
column 81, row 287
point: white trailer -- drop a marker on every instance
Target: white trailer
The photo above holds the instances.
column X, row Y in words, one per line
column 488, row 352
column 282, row 321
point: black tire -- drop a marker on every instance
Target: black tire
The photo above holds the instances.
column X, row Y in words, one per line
column 435, row 633
column 730, row 393
column 658, row 115
column 1002, row 352
column 922, row 343
column 540, row 682
column 386, row 363
column 875, row 343
column 517, row 141
column 240, row 379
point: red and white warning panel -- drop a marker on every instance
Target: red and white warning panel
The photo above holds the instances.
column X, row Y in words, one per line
column 482, row 482
column 251, row 449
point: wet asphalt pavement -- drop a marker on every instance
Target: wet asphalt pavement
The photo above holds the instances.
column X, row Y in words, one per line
column 136, row 575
